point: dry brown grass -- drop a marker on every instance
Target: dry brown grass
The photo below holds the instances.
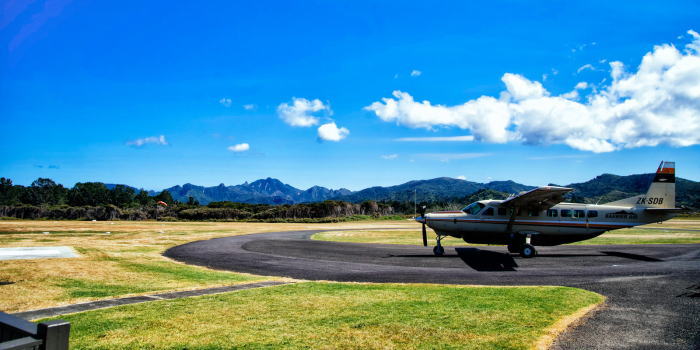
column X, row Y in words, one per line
column 128, row 260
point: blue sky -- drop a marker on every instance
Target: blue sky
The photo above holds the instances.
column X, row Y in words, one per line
column 87, row 89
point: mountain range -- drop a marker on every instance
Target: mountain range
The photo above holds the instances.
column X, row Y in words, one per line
column 263, row 191
column 601, row 189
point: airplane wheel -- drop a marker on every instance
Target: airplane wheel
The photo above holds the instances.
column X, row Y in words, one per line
column 528, row 251
column 438, row 250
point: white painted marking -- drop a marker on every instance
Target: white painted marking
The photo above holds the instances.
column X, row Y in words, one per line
column 37, row 253
column 29, row 252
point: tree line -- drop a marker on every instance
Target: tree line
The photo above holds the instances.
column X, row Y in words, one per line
column 46, row 199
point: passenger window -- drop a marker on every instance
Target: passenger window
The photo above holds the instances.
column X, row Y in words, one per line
column 565, row 213
column 592, row 213
column 552, row 213
column 579, row 214
column 533, row 213
column 502, row 212
column 488, row 212
column 473, row 208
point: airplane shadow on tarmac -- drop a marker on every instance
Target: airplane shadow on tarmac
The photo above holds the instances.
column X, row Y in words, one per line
column 486, row 260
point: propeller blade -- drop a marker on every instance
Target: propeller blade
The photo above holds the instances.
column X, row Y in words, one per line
column 425, row 237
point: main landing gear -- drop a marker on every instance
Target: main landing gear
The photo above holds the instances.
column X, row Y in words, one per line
column 438, row 250
column 523, row 247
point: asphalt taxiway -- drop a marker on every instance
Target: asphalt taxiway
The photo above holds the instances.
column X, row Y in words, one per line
column 653, row 291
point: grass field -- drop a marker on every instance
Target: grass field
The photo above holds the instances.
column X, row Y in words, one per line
column 676, row 231
column 125, row 261
column 338, row 315
column 124, row 258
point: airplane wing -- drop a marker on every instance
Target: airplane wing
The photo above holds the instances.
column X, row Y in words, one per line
column 540, row 198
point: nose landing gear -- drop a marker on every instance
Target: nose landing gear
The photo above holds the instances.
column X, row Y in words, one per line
column 438, row 250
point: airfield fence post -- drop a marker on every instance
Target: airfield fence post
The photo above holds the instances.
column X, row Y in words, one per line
column 19, row 334
column 54, row 334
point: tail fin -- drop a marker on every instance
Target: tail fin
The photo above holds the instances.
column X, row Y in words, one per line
column 661, row 193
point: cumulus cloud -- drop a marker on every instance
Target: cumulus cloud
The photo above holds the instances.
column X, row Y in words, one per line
column 241, row 147
column 416, row 73
column 249, row 107
column 331, row 132
column 656, row 104
column 225, row 101
column 301, row 111
column 390, row 156
column 461, row 177
column 465, row 138
column 155, row 140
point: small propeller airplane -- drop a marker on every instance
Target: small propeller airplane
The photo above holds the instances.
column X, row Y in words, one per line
column 540, row 217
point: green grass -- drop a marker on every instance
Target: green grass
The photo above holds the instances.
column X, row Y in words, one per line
column 645, row 236
column 335, row 315
column 76, row 288
column 173, row 271
column 152, row 277
column 411, row 237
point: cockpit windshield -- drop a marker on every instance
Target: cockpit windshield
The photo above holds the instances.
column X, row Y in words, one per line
column 473, row 208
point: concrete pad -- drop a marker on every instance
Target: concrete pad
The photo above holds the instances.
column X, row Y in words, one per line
column 16, row 253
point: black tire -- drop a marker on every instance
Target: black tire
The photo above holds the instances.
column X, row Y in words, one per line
column 528, row 251
column 513, row 248
column 438, row 250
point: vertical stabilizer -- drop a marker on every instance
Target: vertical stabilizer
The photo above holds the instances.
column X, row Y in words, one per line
column 661, row 192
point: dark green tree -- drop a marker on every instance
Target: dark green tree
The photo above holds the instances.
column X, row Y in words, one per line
column 89, row 193
column 122, row 196
column 143, row 198
column 192, row 202
column 9, row 194
column 43, row 191
column 165, row 196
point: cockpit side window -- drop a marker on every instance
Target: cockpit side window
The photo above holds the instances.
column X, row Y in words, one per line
column 473, row 208
column 488, row 212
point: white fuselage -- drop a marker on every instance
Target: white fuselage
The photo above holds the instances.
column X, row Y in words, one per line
column 563, row 223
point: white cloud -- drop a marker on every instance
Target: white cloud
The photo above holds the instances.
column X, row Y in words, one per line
column 156, row 140
column 300, row 112
column 225, row 101
column 461, row 177
column 573, row 94
column 657, row 104
column 390, row 156
column 465, row 138
column 331, row 132
column 416, row 73
column 584, row 67
column 249, row 107
column 241, row 147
